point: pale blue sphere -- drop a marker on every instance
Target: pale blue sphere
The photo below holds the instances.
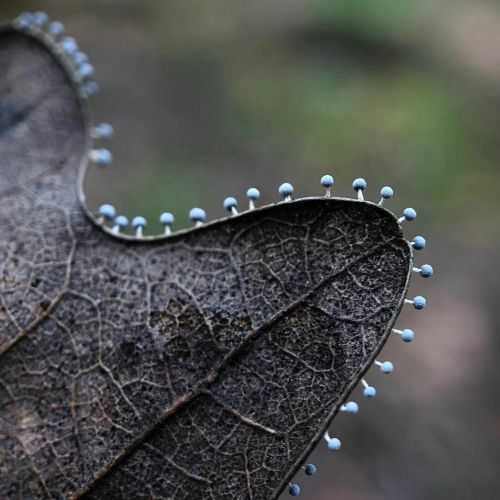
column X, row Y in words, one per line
column 121, row 221
column 86, row 71
column 105, row 131
column 386, row 192
column 409, row 213
column 40, row 19
column 359, row 184
column 351, row 407
column 253, row 194
column 327, row 181
column 92, row 88
column 69, row 45
column 286, row 189
column 426, row 271
column 334, row 444
column 387, row 367
column 102, row 157
column 370, row 392
column 419, row 243
column 24, row 20
column 139, row 221
column 310, row 469
column 230, row 203
column 167, row 219
column 107, row 211
column 419, row 302
column 56, row 29
column 197, row 215
column 79, row 58
column 407, row 335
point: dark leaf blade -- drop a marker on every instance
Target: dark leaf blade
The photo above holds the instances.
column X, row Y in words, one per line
column 246, row 434
column 174, row 355
column 42, row 142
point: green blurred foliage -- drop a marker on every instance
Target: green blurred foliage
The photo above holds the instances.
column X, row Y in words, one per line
column 288, row 90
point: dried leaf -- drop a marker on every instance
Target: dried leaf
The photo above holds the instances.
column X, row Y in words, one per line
column 207, row 364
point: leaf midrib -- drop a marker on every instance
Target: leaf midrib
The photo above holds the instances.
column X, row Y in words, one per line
column 213, row 375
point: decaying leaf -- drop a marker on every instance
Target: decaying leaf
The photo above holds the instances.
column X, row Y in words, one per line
column 206, row 364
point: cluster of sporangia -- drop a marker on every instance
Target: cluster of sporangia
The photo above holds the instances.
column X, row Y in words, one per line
column 197, row 215
column 38, row 23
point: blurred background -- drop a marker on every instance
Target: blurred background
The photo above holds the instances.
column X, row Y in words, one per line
column 210, row 98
